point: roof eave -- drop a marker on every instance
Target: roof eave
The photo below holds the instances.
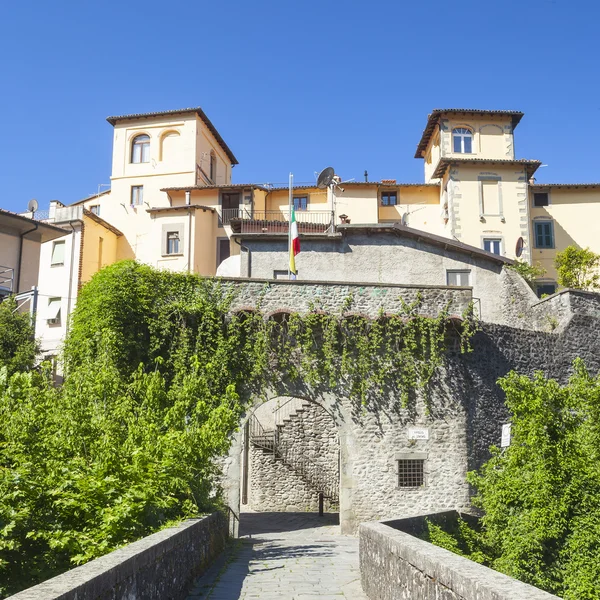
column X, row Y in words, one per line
column 184, row 111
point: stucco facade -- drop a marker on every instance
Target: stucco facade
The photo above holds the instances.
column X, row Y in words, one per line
column 397, row 255
column 65, row 264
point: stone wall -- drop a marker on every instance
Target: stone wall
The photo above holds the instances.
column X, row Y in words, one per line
column 395, row 565
column 464, row 418
column 274, row 483
column 161, row 566
column 385, row 257
column 368, row 299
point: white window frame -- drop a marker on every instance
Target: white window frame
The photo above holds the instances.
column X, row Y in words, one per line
column 466, row 272
column 95, row 209
column 462, row 135
column 137, row 195
column 54, row 246
column 54, row 310
column 494, row 239
column 175, row 237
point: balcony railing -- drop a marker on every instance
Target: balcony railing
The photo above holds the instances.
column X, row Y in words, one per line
column 246, row 220
column 7, row 275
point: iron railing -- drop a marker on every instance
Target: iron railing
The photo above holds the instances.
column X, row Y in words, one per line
column 7, row 279
column 246, row 220
column 320, row 479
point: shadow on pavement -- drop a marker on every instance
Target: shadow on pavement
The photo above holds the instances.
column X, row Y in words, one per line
column 273, row 522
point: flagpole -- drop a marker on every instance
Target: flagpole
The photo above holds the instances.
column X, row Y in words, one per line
column 290, row 224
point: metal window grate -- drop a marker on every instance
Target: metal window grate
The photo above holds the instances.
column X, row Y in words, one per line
column 411, row 473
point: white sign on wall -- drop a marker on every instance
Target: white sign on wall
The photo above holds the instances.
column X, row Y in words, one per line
column 505, row 442
column 417, row 433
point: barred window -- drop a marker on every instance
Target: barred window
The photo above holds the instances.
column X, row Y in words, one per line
column 411, row 473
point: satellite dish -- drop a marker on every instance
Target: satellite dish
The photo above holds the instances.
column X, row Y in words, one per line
column 405, row 219
column 519, row 247
column 32, row 205
column 325, row 177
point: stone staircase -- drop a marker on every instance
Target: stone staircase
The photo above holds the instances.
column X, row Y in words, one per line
column 272, row 442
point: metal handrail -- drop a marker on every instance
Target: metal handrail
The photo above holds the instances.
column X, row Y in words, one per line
column 7, row 278
column 276, row 221
column 302, row 465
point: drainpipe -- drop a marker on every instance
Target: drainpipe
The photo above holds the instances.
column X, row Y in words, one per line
column 188, row 194
column 71, row 271
column 20, row 257
column 249, row 268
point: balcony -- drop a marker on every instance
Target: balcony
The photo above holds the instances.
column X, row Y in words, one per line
column 246, row 220
column 7, row 275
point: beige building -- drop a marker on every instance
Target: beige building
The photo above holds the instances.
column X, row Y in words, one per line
column 20, row 240
column 65, row 264
column 174, row 205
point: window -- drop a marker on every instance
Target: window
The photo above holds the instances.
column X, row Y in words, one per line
column 213, row 166
column 223, row 250
column 411, row 473
column 173, row 242
column 389, row 198
column 462, row 140
column 545, row 289
column 540, row 199
column 140, row 149
column 300, row 202
column 544, row 234
column 281, row 274
column 490, row 197
column 137, row 195
column 53, row 315
column 95, row 209
column 58, row 254
column 459, row 278
column 493, row 245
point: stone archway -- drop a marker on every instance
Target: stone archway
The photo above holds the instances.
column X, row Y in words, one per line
column 290, row 457
column 333, row 425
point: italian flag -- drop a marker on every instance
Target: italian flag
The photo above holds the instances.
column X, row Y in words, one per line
column 294, row 244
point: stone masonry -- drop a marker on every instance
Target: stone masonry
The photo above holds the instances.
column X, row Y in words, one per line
column 466, row 406
column 275, row 485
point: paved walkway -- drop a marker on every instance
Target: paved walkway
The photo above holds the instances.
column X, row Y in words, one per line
column 296, row 556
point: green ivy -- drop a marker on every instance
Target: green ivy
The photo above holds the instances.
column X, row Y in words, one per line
column 158, row 372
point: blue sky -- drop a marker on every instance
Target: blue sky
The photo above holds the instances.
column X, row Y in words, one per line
column 291, row 86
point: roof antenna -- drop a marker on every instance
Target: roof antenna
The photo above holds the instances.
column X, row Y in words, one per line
column 366, row 175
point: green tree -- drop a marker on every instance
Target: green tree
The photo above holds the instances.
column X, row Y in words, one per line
column 157, row 374
column 541, row 495
column 528, row 272
column 578, row 268
column 18, row 348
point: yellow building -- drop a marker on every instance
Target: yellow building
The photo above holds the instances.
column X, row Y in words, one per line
column 173, row 199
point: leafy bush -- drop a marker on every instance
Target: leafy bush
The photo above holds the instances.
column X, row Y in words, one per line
column 541, row 495
column 157, row 375
column 528, row 272
column 578, row 268
column 18, row 347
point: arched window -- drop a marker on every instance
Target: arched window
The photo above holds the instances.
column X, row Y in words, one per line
column 462, row 140
column 140, row 149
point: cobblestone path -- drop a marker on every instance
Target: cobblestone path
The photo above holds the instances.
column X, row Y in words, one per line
column 296, row 556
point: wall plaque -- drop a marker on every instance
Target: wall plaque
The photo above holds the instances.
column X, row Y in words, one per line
column 505, row 441
column 418, row 433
